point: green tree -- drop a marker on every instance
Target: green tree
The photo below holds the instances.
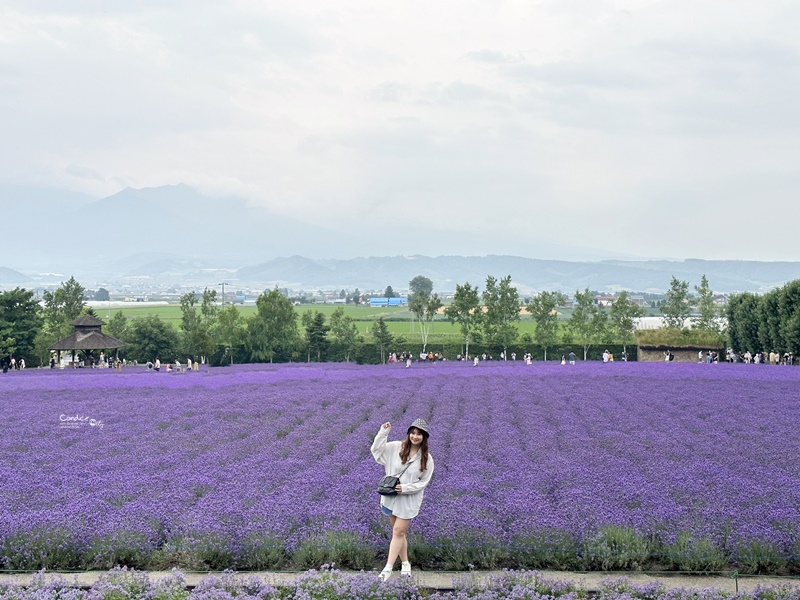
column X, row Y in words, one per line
column 543, row 309
column 20, row 321
column 677, row 306
column 770, row 335
column 707, row 313
column 389, row 292
column 317, row 342
column 117, row 326
column 61, row 307
column 419, row 290
column 501, row 300
column 623, row 315
column 587, row 321
column 272, row 332
column 465, row 309
column 345, row 332
column 789, row 313
column 198, row 322
column 102, row 295
column 229, row 330
column 382, row 336
column 743, row 312
column 150, row 338
column 423, row 305
column 420, row 286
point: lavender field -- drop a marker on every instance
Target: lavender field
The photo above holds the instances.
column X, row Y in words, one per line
column 596, row 466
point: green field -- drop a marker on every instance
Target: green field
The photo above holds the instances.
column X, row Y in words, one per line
column 398, row 319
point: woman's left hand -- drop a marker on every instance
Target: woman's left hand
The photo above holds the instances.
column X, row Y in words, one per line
column 398, row 488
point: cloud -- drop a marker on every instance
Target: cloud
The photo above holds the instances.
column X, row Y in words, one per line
column 84, row 173
column 584, row 74
column 542, row 119
column 493, row 57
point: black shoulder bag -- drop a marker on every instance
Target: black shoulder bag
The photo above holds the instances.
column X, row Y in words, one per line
column 387, row 485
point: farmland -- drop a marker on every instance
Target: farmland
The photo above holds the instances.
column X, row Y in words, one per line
column 398, row 319
column 620, row 466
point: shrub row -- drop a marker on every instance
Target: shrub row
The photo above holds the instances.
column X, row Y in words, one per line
column 369, row 353
column 612, row 548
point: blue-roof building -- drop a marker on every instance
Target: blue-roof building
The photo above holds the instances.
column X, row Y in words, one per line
column 399, row 301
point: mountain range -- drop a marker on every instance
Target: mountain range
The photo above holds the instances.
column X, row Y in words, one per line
column 176, row 236
column 529, row 275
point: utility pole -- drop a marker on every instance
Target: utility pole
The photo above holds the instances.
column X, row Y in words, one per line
column 230, row 348
column 223, row 293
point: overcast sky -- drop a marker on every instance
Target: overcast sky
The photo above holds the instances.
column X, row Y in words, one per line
column 655, row 128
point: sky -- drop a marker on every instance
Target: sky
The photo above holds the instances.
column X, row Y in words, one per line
column 651, row 128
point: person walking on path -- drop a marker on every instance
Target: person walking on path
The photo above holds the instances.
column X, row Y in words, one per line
column 411, row 461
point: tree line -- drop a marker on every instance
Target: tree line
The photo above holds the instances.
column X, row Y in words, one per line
column 220, row 335
column 768, row 322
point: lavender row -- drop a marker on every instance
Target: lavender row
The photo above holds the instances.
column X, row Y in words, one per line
column 329, row 584
column 269, row 466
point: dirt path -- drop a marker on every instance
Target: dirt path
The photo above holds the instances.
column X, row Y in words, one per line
column 445, row 579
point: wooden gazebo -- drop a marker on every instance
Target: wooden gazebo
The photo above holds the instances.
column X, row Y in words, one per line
column 88, row 336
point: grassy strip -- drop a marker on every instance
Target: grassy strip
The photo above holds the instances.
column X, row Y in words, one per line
column 612, row 548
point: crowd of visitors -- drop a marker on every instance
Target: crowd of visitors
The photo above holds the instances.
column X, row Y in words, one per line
column 760, row 358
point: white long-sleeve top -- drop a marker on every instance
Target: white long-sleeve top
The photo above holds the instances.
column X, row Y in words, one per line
column 413, row 482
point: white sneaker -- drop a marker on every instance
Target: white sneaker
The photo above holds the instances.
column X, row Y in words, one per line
column 385, row 574
column 405, row 569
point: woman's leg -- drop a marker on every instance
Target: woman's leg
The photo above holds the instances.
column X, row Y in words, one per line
column 399, row 544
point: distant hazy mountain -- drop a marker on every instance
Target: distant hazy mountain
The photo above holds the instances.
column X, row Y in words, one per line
column 530, row 275
column 180, row 220
column 12, row 277
column 60, row 230
column 174, row 235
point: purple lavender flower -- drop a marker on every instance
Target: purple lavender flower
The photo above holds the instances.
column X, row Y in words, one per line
column 241, row 466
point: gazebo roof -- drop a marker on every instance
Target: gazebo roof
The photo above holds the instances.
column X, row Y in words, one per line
column 87, row 321
column 88, row 335
column 87, row 340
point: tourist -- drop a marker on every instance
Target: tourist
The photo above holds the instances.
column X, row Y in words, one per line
column 571, row 357
column 413, row 464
